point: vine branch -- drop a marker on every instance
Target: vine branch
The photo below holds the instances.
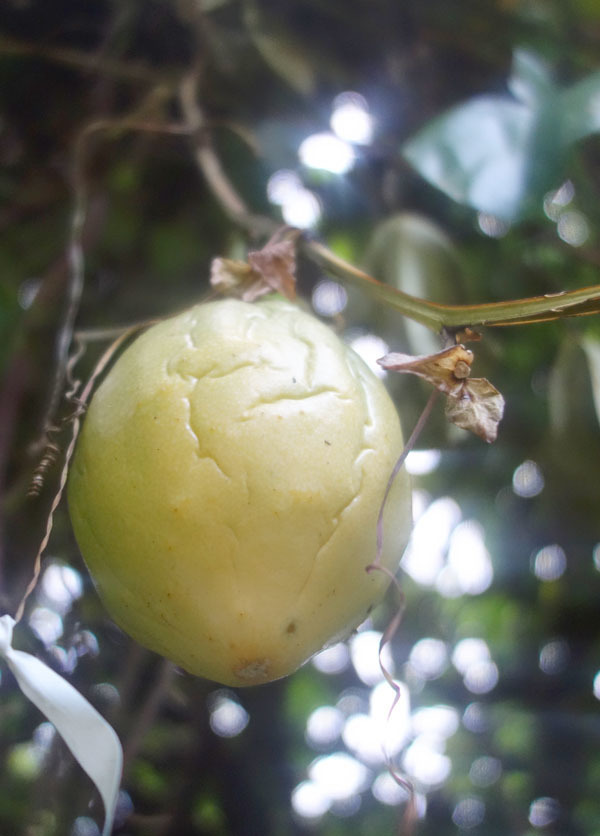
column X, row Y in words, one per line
column 81, row 400
column 438, row 318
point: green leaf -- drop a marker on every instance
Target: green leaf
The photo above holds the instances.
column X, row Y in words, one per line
column 574, row 392
column 530, row 82
column 475, row 153
column 415, row 255
column 591, row 347
column 285, row 55
column 500, row 155
column 580, row 109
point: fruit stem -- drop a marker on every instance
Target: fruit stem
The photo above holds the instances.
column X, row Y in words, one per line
column 440, row 318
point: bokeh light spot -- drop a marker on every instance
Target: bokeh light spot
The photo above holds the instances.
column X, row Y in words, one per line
column 492, row 226
column 485, row 771
column 339, row 776
column 60, row 586
column 329, row 298
column 282, row 186
column 332, row 660
column 303, row 210
column 28, row 290
column 429, row 658
column 43, row 736
column 555, row 202
column 227, row 717
column 363, row 737
column 468, row 558
column 327, row 152
column 324, row 725
column 468, row 813
column 106, row 695
column 573, row 228
column 482, row 677
column 299, row 206
column 554, row 657
column 309, row 801
column 346, row 807
column 543, row 811
column 528, row 480
column 475, row 718
column 364, row 652
column 596, row 556
column 390, row 714
column 438, row 720
column 425, row 763
column 421, row 462
column 387, row 791
column 46, row 624
column 549, row 563
column 370, row 348
column 351, row 120
column 425, row 554
column 125, row 807
column 84, row 826
column 468, row 652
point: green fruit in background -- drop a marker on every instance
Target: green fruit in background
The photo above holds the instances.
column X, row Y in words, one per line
column 226, row 487
column 416, row 256
column 572, row 440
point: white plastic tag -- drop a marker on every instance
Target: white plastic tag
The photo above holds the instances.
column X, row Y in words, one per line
column 90, row 738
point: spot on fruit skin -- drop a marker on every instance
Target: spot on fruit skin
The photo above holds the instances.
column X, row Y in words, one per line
column 291, row 628
column 251, row 672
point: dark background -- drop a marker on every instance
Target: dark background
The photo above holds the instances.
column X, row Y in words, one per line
column 522, row 756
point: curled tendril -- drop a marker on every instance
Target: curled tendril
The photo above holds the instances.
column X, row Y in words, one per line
column 409, row 818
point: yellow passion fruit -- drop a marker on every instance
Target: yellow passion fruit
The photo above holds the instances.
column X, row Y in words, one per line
column 226, row 486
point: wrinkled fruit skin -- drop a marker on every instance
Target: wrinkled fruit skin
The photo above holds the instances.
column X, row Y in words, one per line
column 226, row 486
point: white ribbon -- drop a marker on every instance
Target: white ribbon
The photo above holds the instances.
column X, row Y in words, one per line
column 90, row 738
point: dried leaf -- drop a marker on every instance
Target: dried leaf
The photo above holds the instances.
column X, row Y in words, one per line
column 472, row 404
column 446, row 369
column 276, row 264
column 477, row 407
column 237, row 278
column 270, row 270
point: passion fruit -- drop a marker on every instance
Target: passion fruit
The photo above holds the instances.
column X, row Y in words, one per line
column 226, row 486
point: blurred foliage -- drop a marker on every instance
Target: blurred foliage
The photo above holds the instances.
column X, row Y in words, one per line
column 501, row 155
column 495, row 102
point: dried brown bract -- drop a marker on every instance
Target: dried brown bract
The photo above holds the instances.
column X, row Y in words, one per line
column 472, row 403
column 270, row 270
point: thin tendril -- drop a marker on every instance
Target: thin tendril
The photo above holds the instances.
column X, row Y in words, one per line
column 76, row 423
column 423, row 418
column 409, row 817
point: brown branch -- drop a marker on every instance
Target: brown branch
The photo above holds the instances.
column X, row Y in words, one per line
column 210, row 165
column 146, row 715
column 130, row 71
column 12, row 391
column 77, row 243
column 76, row 423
